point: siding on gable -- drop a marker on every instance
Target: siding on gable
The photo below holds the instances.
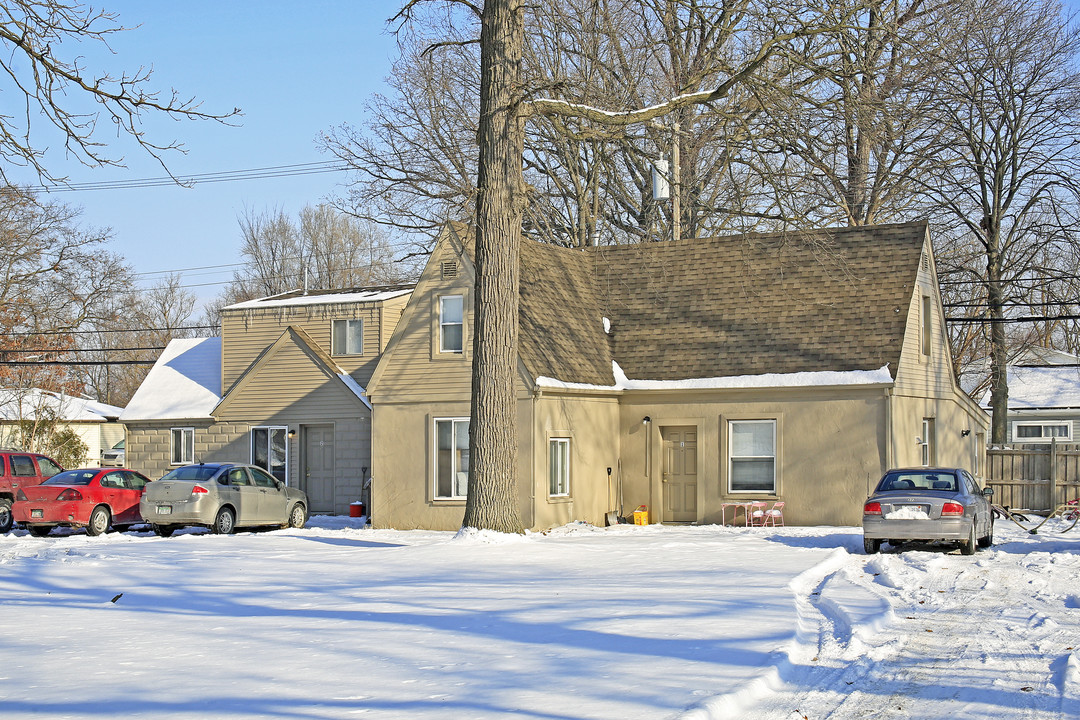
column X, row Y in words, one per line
column 291, row 382
column 416, row 371
column 917, row 374
column 247, row 332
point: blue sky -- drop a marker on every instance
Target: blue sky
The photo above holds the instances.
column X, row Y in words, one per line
column 294, row 69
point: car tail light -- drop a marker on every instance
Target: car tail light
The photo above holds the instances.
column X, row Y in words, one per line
column 69, row 495
column 199, row 490
column 871, row 508
column 21, row 496
column 951, row 508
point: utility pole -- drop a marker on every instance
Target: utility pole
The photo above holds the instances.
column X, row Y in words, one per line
column 676, row 175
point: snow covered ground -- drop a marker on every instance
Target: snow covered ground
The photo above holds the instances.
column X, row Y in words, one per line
column 336, row 621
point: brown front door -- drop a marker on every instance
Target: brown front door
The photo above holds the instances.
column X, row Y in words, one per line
column 318, row 471
column 680, row 474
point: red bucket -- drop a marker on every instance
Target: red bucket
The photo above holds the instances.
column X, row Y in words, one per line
column 356, row 509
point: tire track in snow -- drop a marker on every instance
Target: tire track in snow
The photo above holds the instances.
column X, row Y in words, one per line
column 957, row 638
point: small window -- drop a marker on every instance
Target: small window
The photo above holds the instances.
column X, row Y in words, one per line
column 451, row 323
column 752, row 451
column 927, row 443
column 269, row 450
column 559, row 467
column 238, row 477
column 926, row 325
column 1042, row 431
column 47, row 467
column 451, row 459
column 348, row 337
column 183, row 446
column 22, row 466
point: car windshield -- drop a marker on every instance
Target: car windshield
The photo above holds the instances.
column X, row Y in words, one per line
column 192, row 473
column 918, row 480
column 72, row 477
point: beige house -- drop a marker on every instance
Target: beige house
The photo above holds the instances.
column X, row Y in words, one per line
column 792, row 367
column 282, row 388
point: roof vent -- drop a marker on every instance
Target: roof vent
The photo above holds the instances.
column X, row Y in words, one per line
column 449, row 270
column 926, row 262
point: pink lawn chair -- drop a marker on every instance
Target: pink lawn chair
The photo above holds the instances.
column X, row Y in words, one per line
column 775, row 515
column 755, row 514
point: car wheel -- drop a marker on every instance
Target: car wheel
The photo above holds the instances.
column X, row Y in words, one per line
column 968, row 546
column 985, row 542
column 39, row 530
column 871, row 546
column 225, row 522
column 6, row 520
column 163, row 530
column 99, row 521
column 298, row 516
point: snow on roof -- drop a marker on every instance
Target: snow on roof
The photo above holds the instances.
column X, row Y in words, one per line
column 185, row 383
column 355, row 387
column 23, row 404
column 1055, row 386
column 766, row 380
column 290, row 298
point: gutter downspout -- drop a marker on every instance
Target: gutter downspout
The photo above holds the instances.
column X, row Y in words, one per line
column 890, row 460
column 537, row 392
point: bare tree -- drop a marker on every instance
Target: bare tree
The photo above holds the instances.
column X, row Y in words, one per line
column 1008, row 101
column 43, row 74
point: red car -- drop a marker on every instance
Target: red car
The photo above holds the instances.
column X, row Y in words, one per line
column 93, row 498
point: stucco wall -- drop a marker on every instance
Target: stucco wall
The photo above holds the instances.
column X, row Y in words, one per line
column 828, row 442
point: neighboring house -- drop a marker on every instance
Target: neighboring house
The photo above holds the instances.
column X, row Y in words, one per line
column 792, row 367
column 282, row 388
column 1044, row 398
column 96, row 424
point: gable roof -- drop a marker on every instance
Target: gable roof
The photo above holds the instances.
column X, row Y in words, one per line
column 18, row 404
column 1041, row 387
column 296, row 337
column 823, row 301
column 184, row 383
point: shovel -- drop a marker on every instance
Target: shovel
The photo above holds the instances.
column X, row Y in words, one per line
column 611, row 517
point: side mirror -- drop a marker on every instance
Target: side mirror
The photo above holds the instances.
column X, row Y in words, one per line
column 280, row 485
column 988, row 492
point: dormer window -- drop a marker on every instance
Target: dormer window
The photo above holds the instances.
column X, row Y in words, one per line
column 348, row 337
column 451, row 323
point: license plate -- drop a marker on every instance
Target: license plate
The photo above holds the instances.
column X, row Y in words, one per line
column 164, row 509
column 921, row 508
column 35, row 513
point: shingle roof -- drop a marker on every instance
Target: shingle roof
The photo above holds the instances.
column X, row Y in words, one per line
column 827, row 300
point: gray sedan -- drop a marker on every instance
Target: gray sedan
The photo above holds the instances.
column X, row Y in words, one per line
column 928, row 505
column 222, row 497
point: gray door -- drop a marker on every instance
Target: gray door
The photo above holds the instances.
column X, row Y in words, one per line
column 680, row 474
column 317, row 477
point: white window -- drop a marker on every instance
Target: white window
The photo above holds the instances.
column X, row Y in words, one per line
column 752, row 453
column 451, row 323
column 559, row 467
column 451, row 458
column 927, row 443
column 270, row 450
column 1042, row 431
column 348, row 337
column 183, row 445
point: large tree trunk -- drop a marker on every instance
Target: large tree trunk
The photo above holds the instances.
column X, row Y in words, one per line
column 999, row 384
column 492, row 499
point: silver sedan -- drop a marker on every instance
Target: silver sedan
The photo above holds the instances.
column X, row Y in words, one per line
column 222, row 497
column 928, row 505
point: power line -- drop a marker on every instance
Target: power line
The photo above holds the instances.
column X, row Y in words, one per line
column 1032, row 318
column 46, row 333
column 54, row 351
column 71, row 363
column 274, row 171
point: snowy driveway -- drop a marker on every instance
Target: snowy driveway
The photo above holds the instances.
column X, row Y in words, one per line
column 337, row 622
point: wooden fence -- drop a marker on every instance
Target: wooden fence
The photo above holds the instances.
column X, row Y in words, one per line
column 1038, row 479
